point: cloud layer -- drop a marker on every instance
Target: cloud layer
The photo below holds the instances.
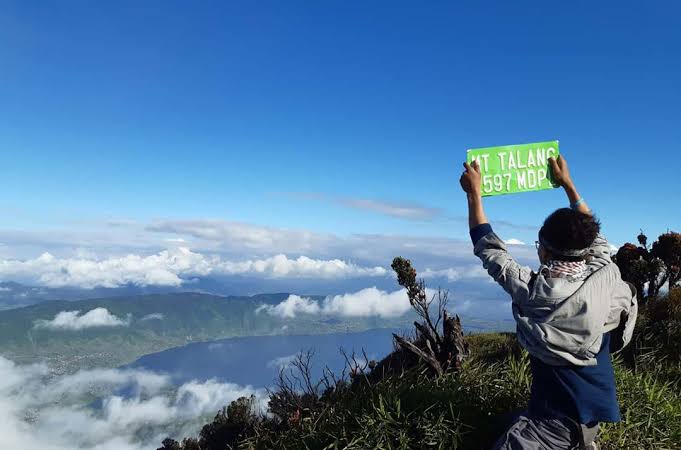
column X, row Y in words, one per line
column 452, row 274
column 400, row 210
column 40, row 411
column 301, row 267
column 73, row 320
column 58, row 418
column 228, row 257
column 244, row 239
column 171, row 268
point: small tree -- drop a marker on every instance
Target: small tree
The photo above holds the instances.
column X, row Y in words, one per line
column 634, row 267
column 657, row 265
column 441, row 351
column 667, row 249
column 170, row 444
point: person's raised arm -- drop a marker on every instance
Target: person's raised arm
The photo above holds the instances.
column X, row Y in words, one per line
column 470, row 183
column 487, row 245
column 561, row 175
column 600, row 248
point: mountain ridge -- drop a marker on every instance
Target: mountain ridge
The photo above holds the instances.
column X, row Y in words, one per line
column 150, row 323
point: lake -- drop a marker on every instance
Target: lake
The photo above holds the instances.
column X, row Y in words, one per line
column 257, row 360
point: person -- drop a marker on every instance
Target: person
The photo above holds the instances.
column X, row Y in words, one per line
column 570, row 315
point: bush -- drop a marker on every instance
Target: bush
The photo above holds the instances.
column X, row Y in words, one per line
column 651, row 412
column 657, row 337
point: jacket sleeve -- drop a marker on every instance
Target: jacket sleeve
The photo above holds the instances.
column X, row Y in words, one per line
column 513, row 277
column 627, row 308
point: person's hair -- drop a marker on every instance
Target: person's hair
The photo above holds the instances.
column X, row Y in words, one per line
column 569, row 230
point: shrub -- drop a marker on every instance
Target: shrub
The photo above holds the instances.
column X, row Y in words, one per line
column 651, row 412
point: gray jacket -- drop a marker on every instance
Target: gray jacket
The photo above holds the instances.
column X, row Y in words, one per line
column 562, row 320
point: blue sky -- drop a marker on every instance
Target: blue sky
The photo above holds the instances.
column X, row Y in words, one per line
column 325, row 116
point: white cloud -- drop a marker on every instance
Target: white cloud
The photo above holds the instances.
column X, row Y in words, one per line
column 255, row 240
column 363, row 303
column 247, row 237
column 301, row 267
column 514, row 241
column 160, row 269
column 368, row 302
column 51, row 413
column 274, row 259
column 171, row 267
column 282, row 362
column 400, row 210
column 139, row 253
column 153, row 316
column 73, row 320
column 455, row 273
column 292, row 306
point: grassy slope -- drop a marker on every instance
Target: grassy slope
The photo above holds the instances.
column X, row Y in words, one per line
column 467, row 410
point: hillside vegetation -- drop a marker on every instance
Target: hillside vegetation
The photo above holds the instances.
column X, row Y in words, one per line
column 463, row 409
column 152, row 323
column 466, row 407
column 157, row 322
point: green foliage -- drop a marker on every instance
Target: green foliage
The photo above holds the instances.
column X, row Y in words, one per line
column 651, row 411
column 408, row 411
column 656, row 265
column 186, row 318
column 657, row 337
column 468, row 409
column 649, row 390
column 667, row 249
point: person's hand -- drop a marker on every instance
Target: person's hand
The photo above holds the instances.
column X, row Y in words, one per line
column 470, row 179
column 561, row 175
column 561, row 172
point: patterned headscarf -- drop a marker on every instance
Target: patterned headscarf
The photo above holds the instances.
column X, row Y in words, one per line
column 564, row 269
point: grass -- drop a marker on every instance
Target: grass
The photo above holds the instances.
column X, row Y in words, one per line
column 467, row 410
column 651, row 412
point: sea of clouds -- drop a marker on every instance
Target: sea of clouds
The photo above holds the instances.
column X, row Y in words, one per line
column 170, row 268
column 173, row 253
column 136, row 409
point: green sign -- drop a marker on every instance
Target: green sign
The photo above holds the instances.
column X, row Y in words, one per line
column 515, row 168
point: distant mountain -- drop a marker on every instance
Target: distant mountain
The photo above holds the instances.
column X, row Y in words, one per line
column 151, row 323
column 17, row 295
